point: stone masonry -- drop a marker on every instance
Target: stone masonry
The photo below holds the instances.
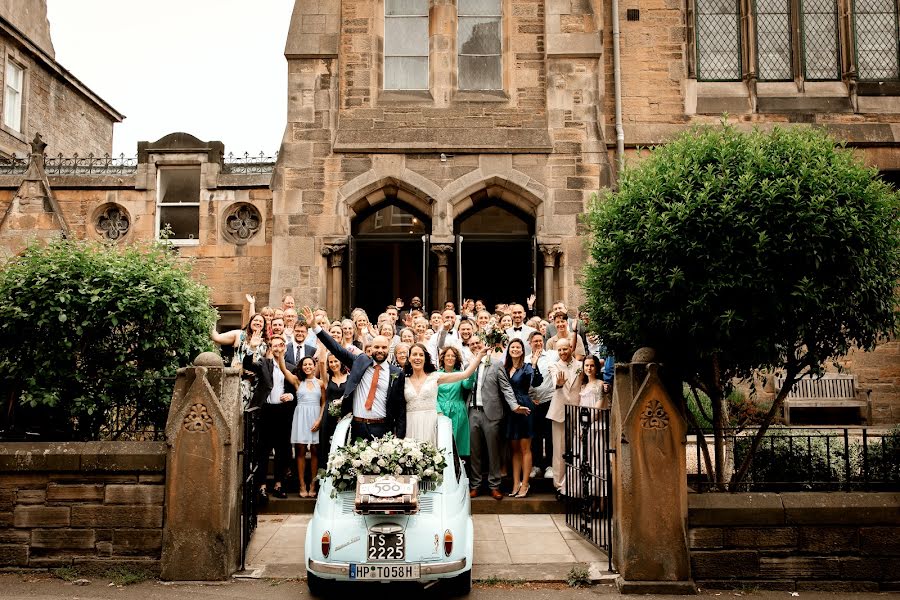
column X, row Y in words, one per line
column 71, row 118
column 88, row 505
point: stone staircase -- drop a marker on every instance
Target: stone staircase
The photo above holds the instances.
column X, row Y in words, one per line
column 541, row 500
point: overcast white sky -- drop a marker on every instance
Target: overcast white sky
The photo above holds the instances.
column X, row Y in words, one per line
column 213, row 68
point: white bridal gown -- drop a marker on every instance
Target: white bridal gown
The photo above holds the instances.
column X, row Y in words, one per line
column 421, row 409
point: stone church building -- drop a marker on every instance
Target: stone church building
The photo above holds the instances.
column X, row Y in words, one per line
column 447, row 148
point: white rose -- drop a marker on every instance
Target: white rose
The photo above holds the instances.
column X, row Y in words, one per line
column 429, row 472
column 381, row 462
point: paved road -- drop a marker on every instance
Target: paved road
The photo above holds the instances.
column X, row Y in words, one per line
column 45, row 587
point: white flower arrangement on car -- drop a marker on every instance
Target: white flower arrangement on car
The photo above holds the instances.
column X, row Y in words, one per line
column 384, row 456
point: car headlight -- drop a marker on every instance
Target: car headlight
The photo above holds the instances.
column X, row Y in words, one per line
column 448, row 542
column 326, row 543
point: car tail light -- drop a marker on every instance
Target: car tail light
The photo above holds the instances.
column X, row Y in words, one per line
column 326, row 543
column 448, row 542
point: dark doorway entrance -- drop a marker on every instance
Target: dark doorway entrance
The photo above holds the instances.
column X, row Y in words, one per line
column 387, row 258
column 496, row 260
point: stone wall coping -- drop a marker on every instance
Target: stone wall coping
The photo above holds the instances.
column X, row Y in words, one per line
column 18, row 457
column 795, row 508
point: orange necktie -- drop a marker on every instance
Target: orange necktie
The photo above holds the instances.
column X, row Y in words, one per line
column 370, row 399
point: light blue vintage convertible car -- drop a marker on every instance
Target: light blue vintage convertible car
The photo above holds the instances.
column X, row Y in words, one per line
column 432, row 543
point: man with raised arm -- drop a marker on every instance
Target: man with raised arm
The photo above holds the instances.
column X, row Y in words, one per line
column 374, row 389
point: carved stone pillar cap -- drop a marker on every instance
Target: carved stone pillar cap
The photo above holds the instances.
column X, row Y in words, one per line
column 644, row 355
column 208, row 359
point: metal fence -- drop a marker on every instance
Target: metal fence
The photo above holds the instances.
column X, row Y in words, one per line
column 588, row 487
column 249, row 480
column 248, row 163
column 122, row 165
column 806, row 459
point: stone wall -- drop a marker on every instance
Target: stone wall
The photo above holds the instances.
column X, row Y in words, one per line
column 796, row 541
column 68, row 120
column 88, row 505
column 231, row 270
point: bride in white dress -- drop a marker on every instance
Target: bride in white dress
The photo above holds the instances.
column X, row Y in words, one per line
column 421, row 390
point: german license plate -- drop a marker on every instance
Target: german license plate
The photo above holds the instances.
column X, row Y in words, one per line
column 384, row 572
column 386, row 547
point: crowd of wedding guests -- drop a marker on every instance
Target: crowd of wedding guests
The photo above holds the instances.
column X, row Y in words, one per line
column 502, row 376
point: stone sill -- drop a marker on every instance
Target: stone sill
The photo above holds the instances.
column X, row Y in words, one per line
column 460, row 140
column 405, row 96
column 475, row 96
column 34, row 457
column 796, row 508
column 817, row 97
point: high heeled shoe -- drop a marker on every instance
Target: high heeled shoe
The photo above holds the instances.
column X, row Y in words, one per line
column 515, row 491
column 523, row 493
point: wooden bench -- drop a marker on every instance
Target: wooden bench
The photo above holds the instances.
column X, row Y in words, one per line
column 832, row 390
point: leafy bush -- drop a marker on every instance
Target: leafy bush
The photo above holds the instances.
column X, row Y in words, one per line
column 92, row 335
column 742, row 411
column 820, row 459
column 730, row 252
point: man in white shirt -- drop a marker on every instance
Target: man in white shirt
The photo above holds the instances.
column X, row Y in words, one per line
column 519, row 329
column 566, row 375
column 542, row 442
column 299, row 347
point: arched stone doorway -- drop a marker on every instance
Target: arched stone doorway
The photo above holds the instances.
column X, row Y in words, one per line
column 496, row 252
column 388, row 256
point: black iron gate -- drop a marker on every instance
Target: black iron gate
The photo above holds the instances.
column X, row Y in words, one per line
column 249, row 484
column 588, row 487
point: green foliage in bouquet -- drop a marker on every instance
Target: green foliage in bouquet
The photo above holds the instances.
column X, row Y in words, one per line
column 387, row 455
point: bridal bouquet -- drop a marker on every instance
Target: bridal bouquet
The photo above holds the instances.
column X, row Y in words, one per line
column 493, row 336
column 385, row 455
column 334, row 408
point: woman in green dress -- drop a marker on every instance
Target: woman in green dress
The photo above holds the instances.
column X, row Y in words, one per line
column 451, row 399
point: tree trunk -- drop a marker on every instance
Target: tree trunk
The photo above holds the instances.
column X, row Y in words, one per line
column 720, row 420
column 790, row 379
column 701, row 440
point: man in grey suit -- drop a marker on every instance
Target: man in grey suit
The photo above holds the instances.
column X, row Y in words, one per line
column 491, row 397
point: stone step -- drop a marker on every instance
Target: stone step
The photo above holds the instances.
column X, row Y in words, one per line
column 482, row 505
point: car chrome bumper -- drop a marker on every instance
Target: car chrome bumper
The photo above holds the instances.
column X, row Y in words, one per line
column 425, row 569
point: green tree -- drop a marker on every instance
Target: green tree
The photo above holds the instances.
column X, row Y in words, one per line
column 95, row 333
column 730, row 252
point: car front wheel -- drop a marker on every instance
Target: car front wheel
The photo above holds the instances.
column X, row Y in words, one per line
column 317, row 585
column 460, row 585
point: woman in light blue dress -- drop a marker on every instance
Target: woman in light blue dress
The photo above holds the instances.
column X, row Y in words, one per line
column 307, row 421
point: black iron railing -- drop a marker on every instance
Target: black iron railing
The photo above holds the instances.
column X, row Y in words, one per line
column 248, row 163
column 806, row 459
column 250, row 482
column 588, row 487
column 121, row 165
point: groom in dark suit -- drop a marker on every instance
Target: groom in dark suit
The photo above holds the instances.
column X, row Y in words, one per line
column 374, row 389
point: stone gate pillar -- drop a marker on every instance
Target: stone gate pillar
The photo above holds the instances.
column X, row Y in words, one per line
column 647, row 434
column 204, row 431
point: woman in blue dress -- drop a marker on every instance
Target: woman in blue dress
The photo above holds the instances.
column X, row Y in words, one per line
column 519, row 428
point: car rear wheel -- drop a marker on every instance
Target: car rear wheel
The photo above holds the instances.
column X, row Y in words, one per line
column 317, row 585
column 460, row 585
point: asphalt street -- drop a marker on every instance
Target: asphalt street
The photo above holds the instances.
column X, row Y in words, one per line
column 47, row 587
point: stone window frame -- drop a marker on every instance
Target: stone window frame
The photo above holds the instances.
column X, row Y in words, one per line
column 383, row 58
column 748, row 60
column 164, row 166
column 438, row 73
column 14, row 57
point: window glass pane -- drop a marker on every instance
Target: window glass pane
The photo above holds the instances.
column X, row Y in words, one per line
column 405, row 7
column 405, row 73
column 392, row 219
column 494, row 219
column 406, row 36
column 478, row 7
column 12, row 96
column 480, row 73
column 876, row 39
column 479, row 35
column 773, row 40
column 179, row 185
column 718, row 40
column 820, row 40
column 183, row 220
